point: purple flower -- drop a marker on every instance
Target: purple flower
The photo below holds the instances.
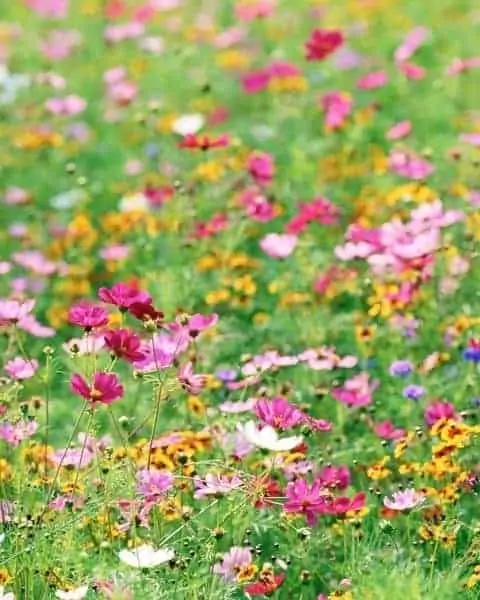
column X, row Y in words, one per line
column 232, row 562
column 413, row 392
column 400, row 368
column 226, row 374
column 153, row 483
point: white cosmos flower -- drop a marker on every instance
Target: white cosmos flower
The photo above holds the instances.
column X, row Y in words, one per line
column 76, row 594
column 146, row 556
column 6, row 595
column 188, row 124
column 134, row 202
column 267, row 438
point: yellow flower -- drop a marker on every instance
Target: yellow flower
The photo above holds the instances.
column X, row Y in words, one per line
column 5, row 470
column 217, row 297
column 233, row 60
column 246, row 572
column 196, row 406
column 288, row 84
column 5, row 576
column 208, row 263
column 211, row 171
column 379, row 470
column 261, row 318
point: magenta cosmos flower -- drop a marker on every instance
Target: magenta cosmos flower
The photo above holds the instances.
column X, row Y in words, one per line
column 104, row 389
column 261, row 167
column 123, row 296
column 19, row 368
column 87, row 315
column 305, row 498
column 278, row 245
column 404, row 500
column 278, row 413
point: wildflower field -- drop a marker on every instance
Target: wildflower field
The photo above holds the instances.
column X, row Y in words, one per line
column 239, row 301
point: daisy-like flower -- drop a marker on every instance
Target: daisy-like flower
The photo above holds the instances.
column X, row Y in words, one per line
column 267, row 438
column 6, row 595
column 214, row 485
column 105, row 388
column 188, row 124
column 75, row 594
column 234, row 561
column 19, row 368
column 404, row 500
column 145, row 556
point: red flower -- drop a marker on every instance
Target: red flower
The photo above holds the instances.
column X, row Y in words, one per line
column 265, row 585
column 124, row 344
column 105, row 388
column 145, row 311
column 203, row 142
column 123, row 295
column 322, row 43
column 267, row 493
column 87, row 315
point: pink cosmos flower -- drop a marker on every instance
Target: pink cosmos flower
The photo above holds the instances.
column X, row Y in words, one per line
column 153, row 484
column 407, row 164
column 114, row 252
column 229, row 37
column 51, row 9
column 325, row 359
column 337, row 107
column 373, row 81
column 278, row 413
column 65, row 107
column 255, row 81
column 335, row 477
column 104, row 389
column 261, row 167
column 214, row 485
column 257, row 206
column 232, row 562
column 404, row 500
column 59, row 44
column 387, row 431
column 356, row 391
column 124, row 344
column 439, row 410
column 12, row 311
column 278, row 245
column 76, row 457
column 249, row 10
column 459, row 65
column 399, row 131
column 16, row 196
column 15, row 433
column 414, row 40
column 19, row 368
column 192, row 382
column 87, row 315
column 412, row 71
column 471, row 138
column 30, row 324
column 234, row 408
column 123, row 296
column 305, row 498
column 160, row 352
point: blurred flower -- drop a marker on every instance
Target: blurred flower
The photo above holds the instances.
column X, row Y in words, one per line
column 278, row 245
